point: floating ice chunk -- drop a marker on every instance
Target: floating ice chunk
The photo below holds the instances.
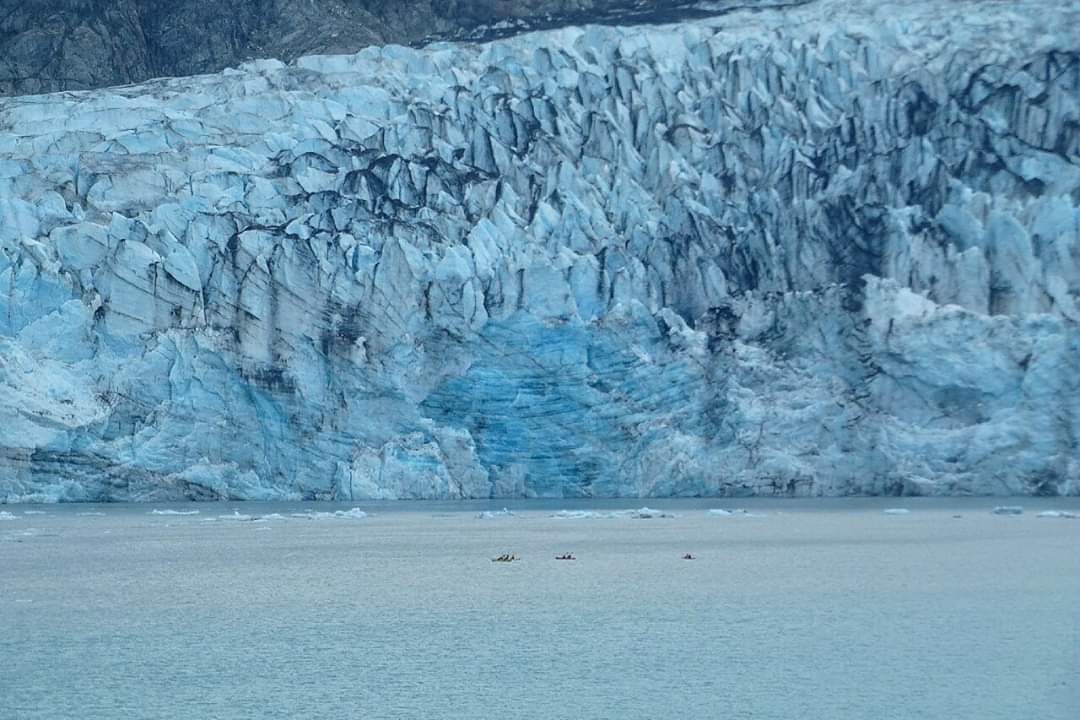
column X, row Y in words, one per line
column 34, row 512
column 1008, row 510
column 896, row 511
column 646, row 513
column 91, row 514
column 354, row 513
column 641, row 513
column 237, row 516
column 741, row 512
column 174, row 512
column 1058, row 514
column 584, row 515
column 490, row 514
column 5, row 515
column 592, row 514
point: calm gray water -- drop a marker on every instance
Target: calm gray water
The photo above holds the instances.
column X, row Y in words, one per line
column 818, row 609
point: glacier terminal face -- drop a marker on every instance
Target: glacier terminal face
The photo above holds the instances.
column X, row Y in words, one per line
column 824, row 250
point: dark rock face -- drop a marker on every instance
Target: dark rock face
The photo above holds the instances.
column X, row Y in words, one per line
column 52, row 45
column 48, row 45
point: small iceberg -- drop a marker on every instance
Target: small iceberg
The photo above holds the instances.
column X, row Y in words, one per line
column 721, row 512
column 640, row 513
column 240, row 517
column 174, row 512
column 1058, row 514
column 5, row 515
column 236, row 516
column 353, row 514
column 34, row 512
column 583, row 515
column 646, row 513
column 90, row 514
column 491, row 514
column 1008, row 510
column 896, row 511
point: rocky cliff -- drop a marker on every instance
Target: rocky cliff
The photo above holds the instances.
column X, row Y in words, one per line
column 51, row 45
column 826, row 249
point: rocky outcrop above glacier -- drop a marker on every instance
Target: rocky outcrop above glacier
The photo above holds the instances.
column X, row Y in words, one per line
column 824, row 250
column 52, row 45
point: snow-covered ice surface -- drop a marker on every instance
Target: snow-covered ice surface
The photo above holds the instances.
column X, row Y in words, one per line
column 827, row 249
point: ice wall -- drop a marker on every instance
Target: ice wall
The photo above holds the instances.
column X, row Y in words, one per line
column 825, row 250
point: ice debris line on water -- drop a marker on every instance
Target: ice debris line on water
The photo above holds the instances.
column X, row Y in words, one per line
column 643, row 513
column 353, row 514
column 825, row 250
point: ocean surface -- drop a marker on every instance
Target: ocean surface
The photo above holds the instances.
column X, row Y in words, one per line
column 827, row 609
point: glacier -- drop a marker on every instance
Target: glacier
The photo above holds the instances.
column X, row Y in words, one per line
column 826, row 249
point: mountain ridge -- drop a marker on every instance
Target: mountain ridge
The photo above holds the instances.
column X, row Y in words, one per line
column 56, row 45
